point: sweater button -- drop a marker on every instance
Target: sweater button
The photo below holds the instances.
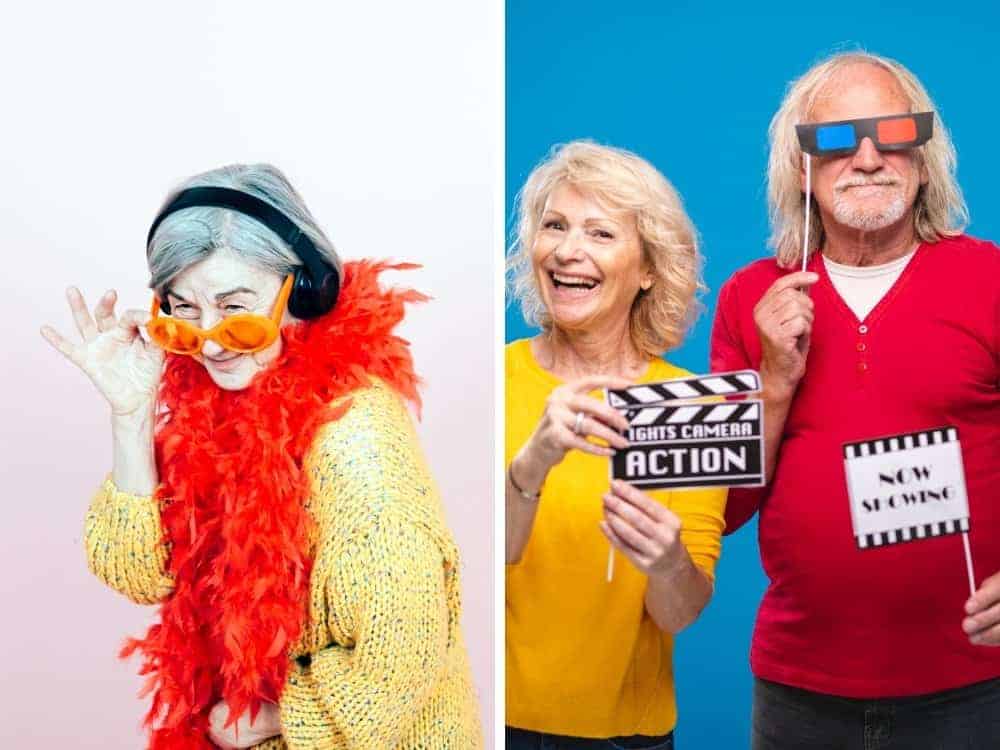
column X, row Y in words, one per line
column 862, row 329
column 862, row 366
column 861, row 346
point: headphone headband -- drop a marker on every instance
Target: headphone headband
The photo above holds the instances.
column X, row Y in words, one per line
column 313, row 295
column 255, row 208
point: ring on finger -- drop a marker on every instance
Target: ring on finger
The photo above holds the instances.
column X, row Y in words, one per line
column 578, row 424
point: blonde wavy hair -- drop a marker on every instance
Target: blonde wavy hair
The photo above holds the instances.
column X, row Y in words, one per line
column 939, row 209
column 619, row 180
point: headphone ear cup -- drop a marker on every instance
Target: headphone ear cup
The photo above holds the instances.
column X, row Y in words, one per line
column 164, row 307
column 309, row 300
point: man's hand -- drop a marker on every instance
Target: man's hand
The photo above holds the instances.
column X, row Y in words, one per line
column 784, row 318
column 983, row 609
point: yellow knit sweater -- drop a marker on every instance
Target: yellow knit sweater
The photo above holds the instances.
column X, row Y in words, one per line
column 388, row 660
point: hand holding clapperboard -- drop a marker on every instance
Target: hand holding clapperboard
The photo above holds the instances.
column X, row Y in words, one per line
column 902, row 488
column 676, row 442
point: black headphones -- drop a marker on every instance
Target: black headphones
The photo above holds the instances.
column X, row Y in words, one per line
column 316, row 284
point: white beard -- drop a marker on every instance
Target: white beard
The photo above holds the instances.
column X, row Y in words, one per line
column 847, row 213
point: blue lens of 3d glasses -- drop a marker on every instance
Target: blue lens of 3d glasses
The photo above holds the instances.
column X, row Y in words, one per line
column 831, row 137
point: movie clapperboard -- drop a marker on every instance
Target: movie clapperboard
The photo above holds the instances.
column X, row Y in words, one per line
column 906, row 487
column 676, row 443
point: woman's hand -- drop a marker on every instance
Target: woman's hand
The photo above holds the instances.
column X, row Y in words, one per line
column 243, row 733
column 125, row 367
column 643, row 530
column 562, row 428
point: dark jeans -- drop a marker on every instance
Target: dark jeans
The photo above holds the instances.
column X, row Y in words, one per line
column 787, row 718
column 522, row 739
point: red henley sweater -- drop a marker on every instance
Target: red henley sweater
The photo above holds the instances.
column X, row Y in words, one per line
column 885, row 621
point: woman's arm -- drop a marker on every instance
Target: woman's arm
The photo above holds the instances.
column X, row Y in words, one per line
column 124, row 543
column 133, row 462
column 675, row 547
column 124, row 540
column 521, row 510
column 391, row 594
column 370, row 696
column 570, row 417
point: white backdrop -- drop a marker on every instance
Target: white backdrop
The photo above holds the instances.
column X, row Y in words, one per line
column 383, row 116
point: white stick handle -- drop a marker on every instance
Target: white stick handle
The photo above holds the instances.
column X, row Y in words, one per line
column 805, row 233
column 968, row 563
column 611, row 562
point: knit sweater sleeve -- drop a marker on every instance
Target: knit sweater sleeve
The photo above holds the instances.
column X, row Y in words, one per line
column 389, row 591
column 125, row 547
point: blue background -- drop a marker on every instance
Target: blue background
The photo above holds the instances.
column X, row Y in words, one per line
column 692, row 87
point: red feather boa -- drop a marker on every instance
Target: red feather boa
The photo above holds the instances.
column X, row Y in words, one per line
column 232, row 491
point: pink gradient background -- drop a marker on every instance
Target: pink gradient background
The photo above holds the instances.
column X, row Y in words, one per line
column 387, row 130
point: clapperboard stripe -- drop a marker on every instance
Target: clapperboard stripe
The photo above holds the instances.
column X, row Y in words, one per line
column 650, row 416
column 900, row 442
column 722, row 384
column 925, row 531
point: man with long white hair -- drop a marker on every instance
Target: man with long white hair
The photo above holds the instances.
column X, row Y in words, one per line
column 891, row 326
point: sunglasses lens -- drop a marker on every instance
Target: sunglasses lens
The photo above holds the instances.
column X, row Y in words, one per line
column 174, row 336
column 244, row 335
column 836, row 137
column 903, row 130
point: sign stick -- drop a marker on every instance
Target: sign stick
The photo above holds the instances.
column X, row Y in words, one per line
column 611, row 562
column 968, row 563
column 805, row 233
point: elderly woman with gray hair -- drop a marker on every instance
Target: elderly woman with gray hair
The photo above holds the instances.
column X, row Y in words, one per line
column 268, row 490
column 606, row 262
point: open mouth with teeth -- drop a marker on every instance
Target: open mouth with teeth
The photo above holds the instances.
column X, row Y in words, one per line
column 566, row 281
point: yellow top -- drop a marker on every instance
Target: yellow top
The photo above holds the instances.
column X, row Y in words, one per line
column 584, row 658
column 388, row 661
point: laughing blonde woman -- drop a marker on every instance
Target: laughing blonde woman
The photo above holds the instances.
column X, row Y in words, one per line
column 607, row 264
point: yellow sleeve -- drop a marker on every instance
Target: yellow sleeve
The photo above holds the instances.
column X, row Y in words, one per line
column 368, row 697
column 125, row 546
column 702, row 513
column 390, row 574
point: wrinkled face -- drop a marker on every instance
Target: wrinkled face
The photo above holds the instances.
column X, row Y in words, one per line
column 588, row 262
column 868, row 190
column 224, row 284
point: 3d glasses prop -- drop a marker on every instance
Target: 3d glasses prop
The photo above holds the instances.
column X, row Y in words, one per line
column 889, row 133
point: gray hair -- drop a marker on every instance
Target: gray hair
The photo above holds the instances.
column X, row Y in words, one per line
column 192, row 234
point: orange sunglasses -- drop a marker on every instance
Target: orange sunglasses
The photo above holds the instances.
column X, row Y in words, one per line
column 246, row 332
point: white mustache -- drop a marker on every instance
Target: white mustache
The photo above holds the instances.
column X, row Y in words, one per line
column 862, row 182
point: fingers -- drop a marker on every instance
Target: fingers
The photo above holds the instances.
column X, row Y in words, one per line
column 792, row 305
column 629, row 535
column 631, row 552
column 639, row 502
column 104, row 312
column 58, row 342
column 84, row 323
column 582, row 444
column 798, row 280
column 983, row 628
column 598, row 410
column 127, row 327
column 986, row 596
column 590, row 426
